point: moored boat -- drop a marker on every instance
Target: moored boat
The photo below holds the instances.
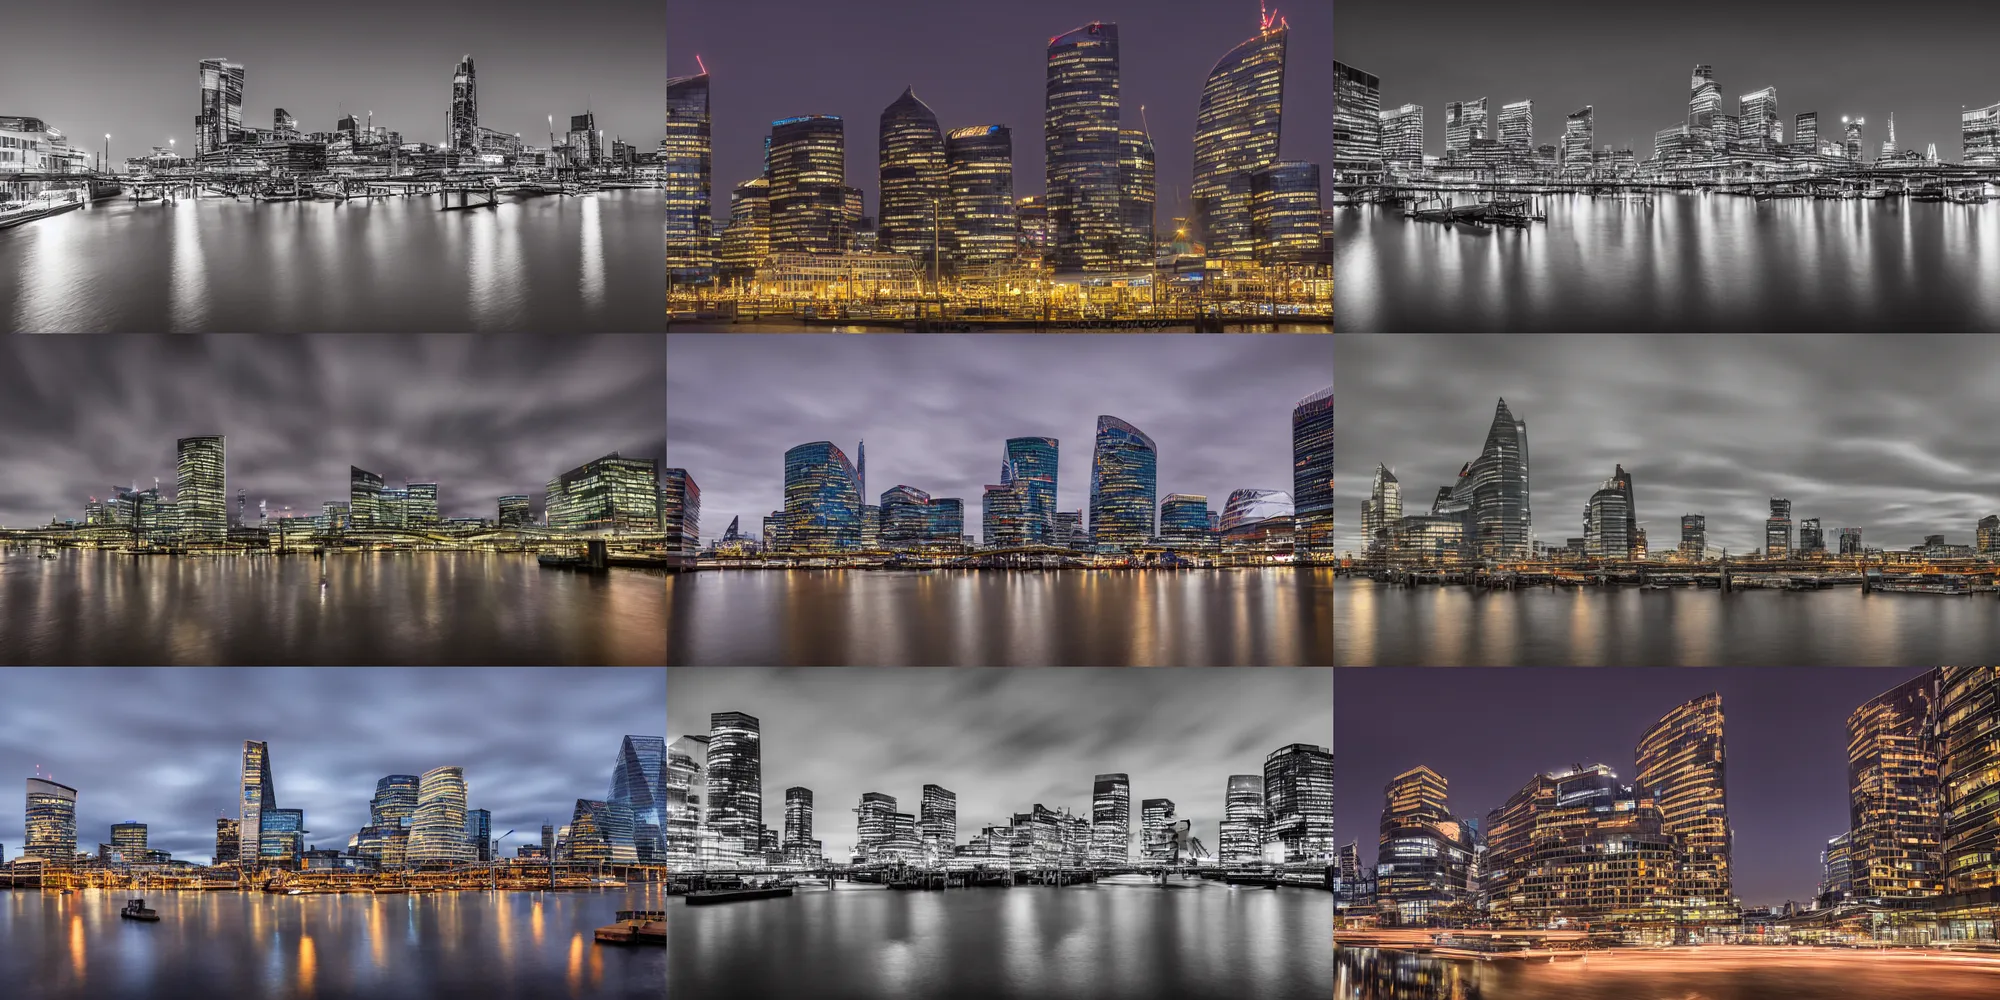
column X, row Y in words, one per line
column 136, row 910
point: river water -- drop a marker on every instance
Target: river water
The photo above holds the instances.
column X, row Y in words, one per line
column 409, row 608
column 1245, row 617
column 1697, row 974
column 588, row 263
column 252, row 946
column 1386, row 626
column 1689, row 263
column 1086, row 942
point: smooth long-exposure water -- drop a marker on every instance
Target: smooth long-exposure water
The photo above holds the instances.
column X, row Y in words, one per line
column 1245, row 617
column 590, row 262
column 1724, row 973
column 1688, row 262
column 90, row 607
column 253, row 946
column 1084, row 942
column 1378, row 625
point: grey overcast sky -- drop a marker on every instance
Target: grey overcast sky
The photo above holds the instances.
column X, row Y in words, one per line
column 480, row 415
column 1633, row 62
column 1005, row 738
column 1889, row 433
column 164, row 746
column 936, row 410
column 1487, row 731
column 132, row 67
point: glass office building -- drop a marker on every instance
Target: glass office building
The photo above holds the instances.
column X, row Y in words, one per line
column 906, row 518
column 50, row 822
column 1578, row 156
column 1111, row 819
column 1287, row 224
column 1491, row 494
column 479, row 833
column 281, row 838
column 1895, row 831
column 1156, row 821
column 1298, row 803
column 437, row 829
column 1124, row 482
column 746, row 241
column 1236, row 131
column 201, row 492
column 1403, row 135
column 364, row 489
column 822, row 499
column 1242, row 831
column 913, row 180
column 463, row 129
column 874, row 819
column 808, row 167
column 798, row 816
column 221, row 115
column 1034, row 460
column 1968, row 717
column 980, row 193
column 514, row 511
column 1423, row 852
column 1184, row 518
column 612, row 493
column 937, row 823
column 1081, row 148
column 1682, row 764
column 683, row 512
column 686, row 158
column 258, row 797
column 1136, row 198
column 1979, row 136
column 734, row 808
column 420, row 505
column 639, row 784
column 1357, row 124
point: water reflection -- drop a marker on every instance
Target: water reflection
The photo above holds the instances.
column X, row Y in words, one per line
column 1687, row 262
column 1717, row 973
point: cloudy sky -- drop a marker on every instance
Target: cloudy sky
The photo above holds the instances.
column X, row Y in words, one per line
column 982, row 64
column 164, row 746
column 1632, row 63
column 482, row 416
column 1889, row 433
column 1005, row 738
column 936, row 410
column 1488, row 731
column 136, row 74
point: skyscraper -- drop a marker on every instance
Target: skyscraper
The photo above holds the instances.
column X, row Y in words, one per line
column 1812, row 539
column 1896, row 829
column 479, row 833
column 1492, row 495
column 221, row 115
column 1156, row 820
column 258, row 798
column 1694, row 536
column 1312, row 477
column 1403, row 135
column 50, row 822
column 1968, row 716
column 1236, row 131
column 1422, row 853
column 1111, row 819
column 1383, row 508
column 822, row 498
column 798, row 816
column 979, row 209
column 686, row 156
column 913, row 177
column 228, row 839
column 201, row 489
column 1298, row 802
column 1080, row 118
column 1610, row 524
column 1778, row 529
column 1577, row 140
column 1124, row 474
column 1516, row 128
column 1136, row 199
column 463, row 137
column 437, row 829
column 746, row 240
column 363, row 491
column 1464, row 123
column 1850, row 541
column 1682, row 764
column 1241, row 836
column 873, row 823
column 808, row 167
column 386, row 838
column 683, row 513
column 1184, row 518
column 735, row 806
column 514, row 511
column 938, row 823
column 1704, row 104
column 1357, row 124
column 687, row 788
column 1287, row 224
column 1979, row 136
column 1757, row 119
column 612, row 493
column 639, row 786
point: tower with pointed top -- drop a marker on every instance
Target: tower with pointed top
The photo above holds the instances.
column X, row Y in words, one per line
column 913, row 173
column 1491, row 494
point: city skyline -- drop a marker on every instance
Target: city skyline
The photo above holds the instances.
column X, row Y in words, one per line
column 1493, row 729
column 143, row 87
column 1166, row 52
column 960, row 402
column 165, row 746
column 1005, row 739
column 1857, row 431
column 481, row 416
column 1632, row 67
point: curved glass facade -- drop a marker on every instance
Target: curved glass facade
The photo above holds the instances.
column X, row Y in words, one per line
column 912, row 175
column 1286, row 222
column 1080, row 148
column 687, row 158
column 1892, row 774
column 1968, row 717
column 822, row 499
column 1034, row 459
column 906, row 518
column 981, row 182
column 1124, row 480
column 437, row 830
column 808, row 169
column 1682, row 765
column 1236, row 131
column 51, row 822
column 1247, row 508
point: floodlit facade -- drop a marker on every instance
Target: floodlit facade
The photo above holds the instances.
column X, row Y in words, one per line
column 1682, row 765
column 1979, row 136
column 1156, row 821
column 464, row 127
column 822, row 499
column 1423, row 854
column 746, row 240
column 980, row 186
column 50, row 822
column 937, row 826
column 1136, row 198
column 1403, row 135
column 1578, row 135
column 687, row 787
column 221, row 115
column 437, row 829
column 201, row 489
column 1124, row 484
column 1242, row 830
column 1968, row 718
column 1080, row 148
column 1287, row 224
column 735, row 797
column 612, row 493
column 687, row 157
column 1895, row 828
column 808, row 163
column 1298, row 803
column 1111, row 819
column 258, row 797
column 1578, row 848
column 1237, row 131
column 913, row 179
column 1358, row 148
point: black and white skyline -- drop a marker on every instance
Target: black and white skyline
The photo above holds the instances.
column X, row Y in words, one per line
column 1005, row 738
column 1882, row 432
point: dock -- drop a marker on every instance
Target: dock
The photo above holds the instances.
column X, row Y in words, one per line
column 708, row 896
column 636, row 927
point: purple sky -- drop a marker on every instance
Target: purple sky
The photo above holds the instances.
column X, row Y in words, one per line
column 130, row 67
column 980, row 64
column 1488, row 730
column 1924, row 60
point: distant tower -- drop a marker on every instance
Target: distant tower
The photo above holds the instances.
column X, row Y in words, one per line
column 464, row 135
column 861, row 468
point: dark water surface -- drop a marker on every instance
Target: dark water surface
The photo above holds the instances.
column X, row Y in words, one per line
column 420, row 608
column 542, row 264
column 1086, row 942
column 1691, row 262
column 1703, row 974
column 1246, row 617
column 1551, row 627
column 252, row 946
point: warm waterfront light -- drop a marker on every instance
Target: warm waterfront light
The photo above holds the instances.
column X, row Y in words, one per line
column 575, row 963
column 307, row 964
column 76, row 945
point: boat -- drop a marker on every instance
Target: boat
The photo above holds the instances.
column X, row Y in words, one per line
column 711, row 896
column 636, row 927
column 1470, row 228
column 136, row 910
column 24, row 212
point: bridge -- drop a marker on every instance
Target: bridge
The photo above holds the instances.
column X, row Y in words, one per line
column 1945, row 177
column 1947, row 576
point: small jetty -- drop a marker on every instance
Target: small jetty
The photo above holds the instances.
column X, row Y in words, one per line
column 136, row 910
column 636, row 927
column 1480, row 217
column 709, row 896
